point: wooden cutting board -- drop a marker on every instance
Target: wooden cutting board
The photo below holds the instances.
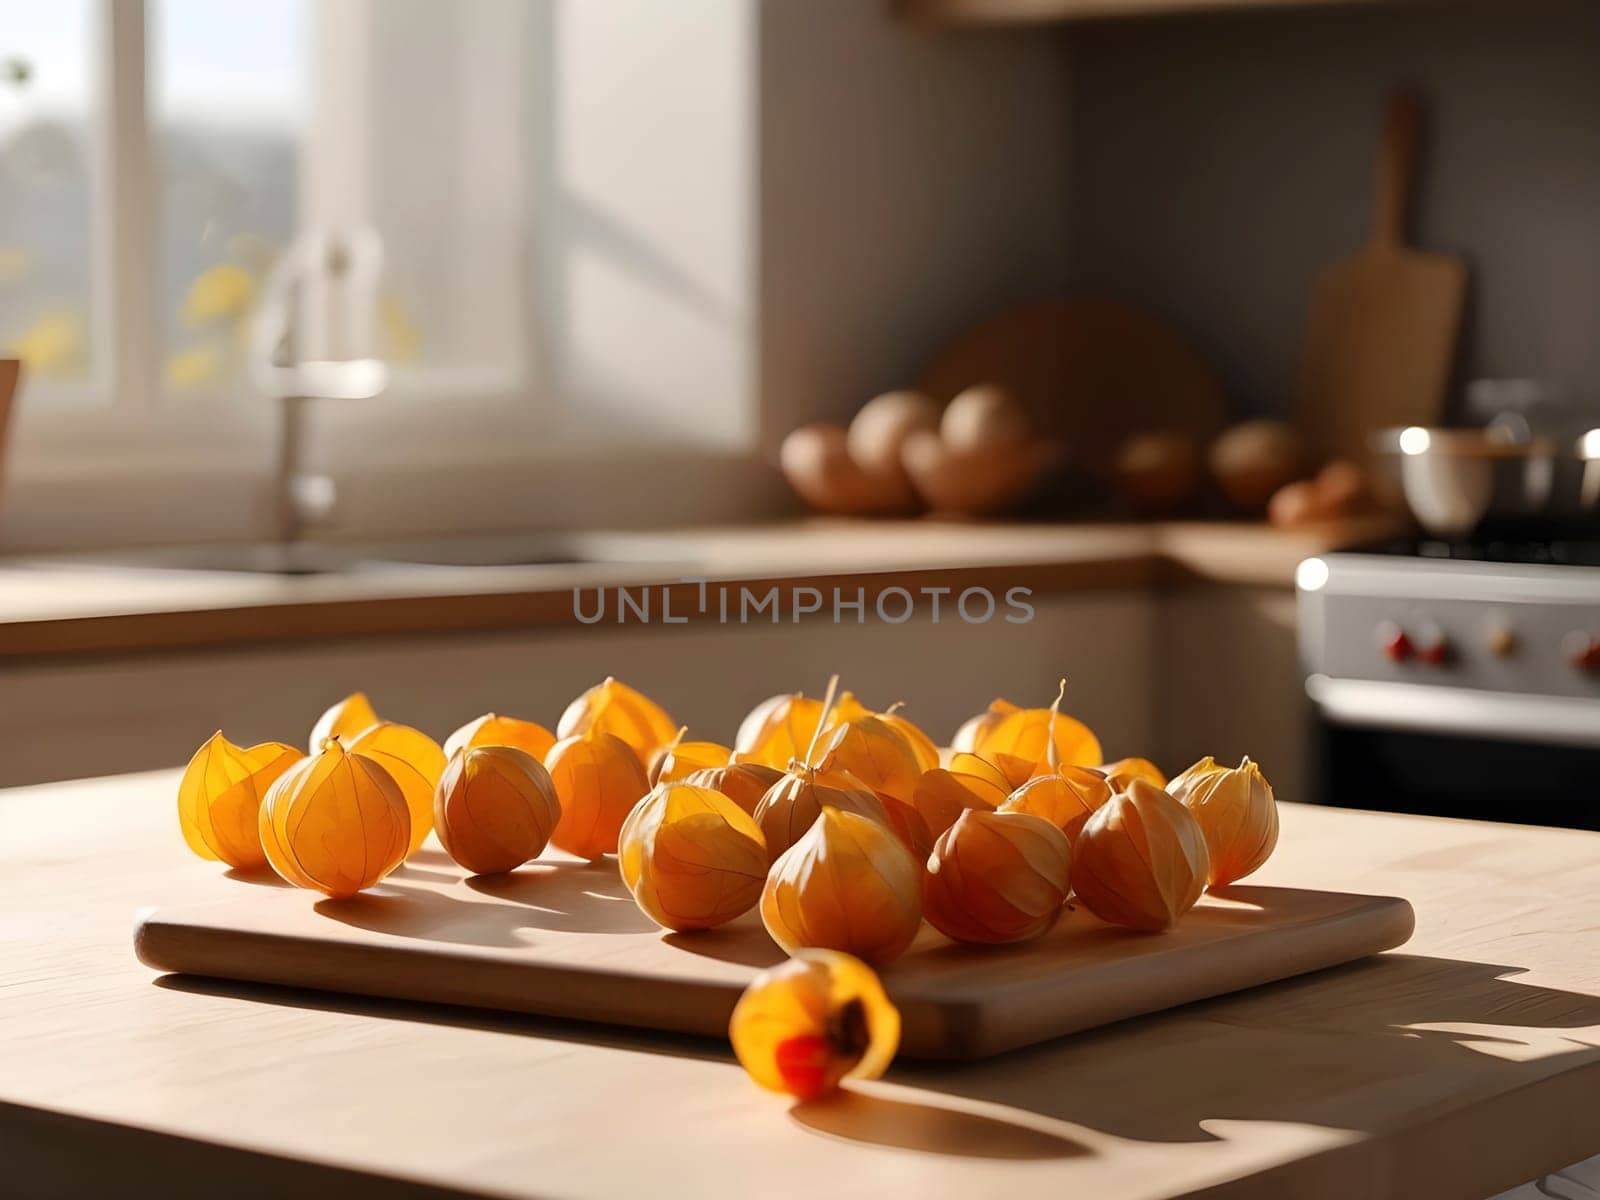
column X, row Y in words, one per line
column 563, row 939
column 1093, row 372
column 1381, row 330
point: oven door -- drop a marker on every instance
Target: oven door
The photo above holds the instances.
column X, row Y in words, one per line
column 1497, row 757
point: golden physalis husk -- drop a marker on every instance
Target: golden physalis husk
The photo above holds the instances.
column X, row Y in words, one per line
column 1005, row 771
column 615, row 708
column 1026, row 735
column 997, row 877
column 1141, row 860
column 414, row 761
column 743, row 783
column 792, row 805
column 679, row 759
column 941, row 796
column 1066, row 799
column 921, row 744
column 873, row 751
column 1237, row 813
column 335, row 822
column 599, row 779
column 848, row 884
column 973, row 728
column 1178, row 786
column 492, row 729
column 692, row 858
column 1125, row 770
column 352, row 715
column 495, row 808
column 807, row 1024
column 783, row 727
column 219, row 798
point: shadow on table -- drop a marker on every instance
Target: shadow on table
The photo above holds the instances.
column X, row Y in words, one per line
column 878, row 1120
column 1337, row 1048
column 562, row 897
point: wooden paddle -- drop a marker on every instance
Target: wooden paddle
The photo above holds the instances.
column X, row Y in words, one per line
column 1381, row 331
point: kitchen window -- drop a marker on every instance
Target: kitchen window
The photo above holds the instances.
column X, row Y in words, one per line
column 551, row 277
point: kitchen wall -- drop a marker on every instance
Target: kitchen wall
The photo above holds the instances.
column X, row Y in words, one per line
column 913, row 181
column 1217, row 161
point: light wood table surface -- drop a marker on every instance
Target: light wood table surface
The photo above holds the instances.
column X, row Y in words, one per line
column 1461, row 1066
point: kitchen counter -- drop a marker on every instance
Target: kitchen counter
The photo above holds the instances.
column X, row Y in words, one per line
column 54, row 608
column 1463, row 1065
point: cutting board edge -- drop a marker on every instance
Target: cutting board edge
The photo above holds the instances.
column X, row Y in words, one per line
column 1384, row 923
column 701, row 1008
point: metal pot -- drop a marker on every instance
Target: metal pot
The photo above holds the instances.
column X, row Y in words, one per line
column 1455, row 479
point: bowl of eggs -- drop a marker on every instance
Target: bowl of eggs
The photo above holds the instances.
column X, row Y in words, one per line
column 979, row 455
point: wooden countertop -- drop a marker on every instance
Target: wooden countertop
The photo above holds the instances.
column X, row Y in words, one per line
column 1459, row 1067
column 59, row 608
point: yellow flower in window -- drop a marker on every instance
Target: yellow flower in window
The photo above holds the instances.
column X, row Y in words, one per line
column 222, row 292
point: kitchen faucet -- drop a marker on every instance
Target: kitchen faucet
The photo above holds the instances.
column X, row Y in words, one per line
column 314, row 323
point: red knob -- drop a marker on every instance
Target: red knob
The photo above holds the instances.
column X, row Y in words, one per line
column 1435, row 648
column 1584, row 651
column 1396, row 645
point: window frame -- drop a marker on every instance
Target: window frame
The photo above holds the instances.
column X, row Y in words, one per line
column 120, row 459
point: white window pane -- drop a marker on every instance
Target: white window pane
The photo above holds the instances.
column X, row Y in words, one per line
column 448, row 158
column 46, row 156
column 229, row 94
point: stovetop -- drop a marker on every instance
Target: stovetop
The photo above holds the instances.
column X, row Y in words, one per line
column 1575, row 552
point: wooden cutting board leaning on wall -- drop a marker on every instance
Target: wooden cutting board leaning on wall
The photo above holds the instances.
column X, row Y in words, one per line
column 1381, row 331
column 10, row 373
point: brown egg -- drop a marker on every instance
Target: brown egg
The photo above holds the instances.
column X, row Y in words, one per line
column 985, row 417
column 1297, row 504
column 1253, row 460
column 878, row 432
column 1157, row 473
column 816, row 461
column 974, row 482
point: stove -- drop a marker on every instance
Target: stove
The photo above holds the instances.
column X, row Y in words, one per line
column 1458, row 678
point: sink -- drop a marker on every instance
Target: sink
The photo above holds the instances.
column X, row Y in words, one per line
column 317, row 558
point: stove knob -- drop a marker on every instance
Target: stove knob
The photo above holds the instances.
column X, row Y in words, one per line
column 1396, row 645
column 1502, row 641
column 1436, row 650
column 1583, row 651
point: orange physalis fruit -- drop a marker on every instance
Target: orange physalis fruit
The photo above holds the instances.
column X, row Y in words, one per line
column 819, row 1018
column 1141, row 859
column 848, row 884
column 219, row 798
column 495, row 808
column 491, row 729
column 692, row 858
column 1237, row 813
column 876, row 753
column 921, row 744
column 414, row 761
column 941, row 796
column 792, row 805
column 1067, row 799
column 973, row 728
column 1125, row 770
column 599, row 779
column 335, row 823
column 615, row 708
column 997, row 877
column 344, row 720
column 679, row 758
column 743, row 783
column 1034, row 734
column 777, row 730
